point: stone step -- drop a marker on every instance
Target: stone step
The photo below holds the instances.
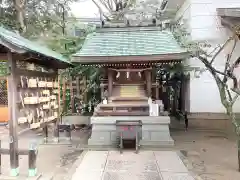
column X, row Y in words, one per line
column 120, row 113
column 120, row 98
column 124, row 104
column 94, row 143
column 151, row 120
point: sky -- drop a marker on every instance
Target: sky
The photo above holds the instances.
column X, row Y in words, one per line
column 84, row 8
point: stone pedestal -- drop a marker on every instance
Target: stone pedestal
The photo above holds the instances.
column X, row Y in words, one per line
column 154, row 131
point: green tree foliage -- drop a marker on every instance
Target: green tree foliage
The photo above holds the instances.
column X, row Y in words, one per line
column 68, row 44
column 8, row 15
column 3, row 68
column 33, row 18
column 49, row 22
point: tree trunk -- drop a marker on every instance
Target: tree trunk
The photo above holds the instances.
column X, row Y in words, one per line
column 238, row 143
column 233, row 120
column 19, row 6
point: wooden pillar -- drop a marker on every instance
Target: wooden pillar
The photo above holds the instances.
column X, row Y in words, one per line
column 110, row 82
column 71, row 93
column 157, row 88
column 59, row 119
column 187, row 93
column 149, row 83
column 12, row 105
column 168, row 92
column 85, row 98
column 102, row 88
column 78, row 85
column 64, row 108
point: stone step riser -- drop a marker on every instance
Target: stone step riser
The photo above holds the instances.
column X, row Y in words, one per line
column 154, row 131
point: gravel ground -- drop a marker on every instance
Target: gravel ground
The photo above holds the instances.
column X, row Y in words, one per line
column 210, row 155
column 52, row 159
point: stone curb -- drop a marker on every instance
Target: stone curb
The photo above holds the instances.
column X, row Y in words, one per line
column 72, row 170
column 2, row 177
column 187, row 163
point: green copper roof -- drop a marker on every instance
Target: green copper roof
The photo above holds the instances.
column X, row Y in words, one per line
column 129, row 42
column 27, row 45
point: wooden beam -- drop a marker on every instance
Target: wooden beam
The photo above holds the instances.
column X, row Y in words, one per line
column 133, row 59
column 229, row 22
column 30, row 73
column 5, row 151
column 4, row 57
column 12, row 94
column 230, row 12
column 130, row 70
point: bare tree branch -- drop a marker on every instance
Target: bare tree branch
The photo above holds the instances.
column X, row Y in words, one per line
column 235, row 98
column 229, row 93
column 209, row 66
column 224, row 45
column 101, row 11
column 227, row 64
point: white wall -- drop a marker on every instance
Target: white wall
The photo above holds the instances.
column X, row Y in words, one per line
column 204, row 24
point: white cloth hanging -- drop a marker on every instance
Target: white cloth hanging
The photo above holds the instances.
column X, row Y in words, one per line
column 153, row 109
column 128, row 74
column 139, row 74
column 118, row 75
column 105, row 101
column 149, row 101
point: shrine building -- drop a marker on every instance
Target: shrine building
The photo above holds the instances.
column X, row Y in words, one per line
column 134, row 64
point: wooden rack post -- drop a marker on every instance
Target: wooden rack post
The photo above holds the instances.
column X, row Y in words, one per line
column 59, row 120
column 32, row 92
column 12, row 83
column 64, row 87
column 72, row 94
column 32, row 100
column 32, row 158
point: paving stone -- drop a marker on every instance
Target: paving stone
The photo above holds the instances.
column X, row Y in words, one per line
column 176, row 176
column 120, row 165
column 130, row 161
column 87, row 175
column 147, row 165
column 94, row 160
column 131, row 176
column 169, row 161
column 131, row 155
column 131, row 165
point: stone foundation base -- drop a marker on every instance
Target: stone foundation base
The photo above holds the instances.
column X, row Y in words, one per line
column 154, row 131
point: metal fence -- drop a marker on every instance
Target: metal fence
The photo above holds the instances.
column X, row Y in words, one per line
column 3, row 91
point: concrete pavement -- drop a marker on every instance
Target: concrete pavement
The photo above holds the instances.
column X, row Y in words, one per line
column 147, row 165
